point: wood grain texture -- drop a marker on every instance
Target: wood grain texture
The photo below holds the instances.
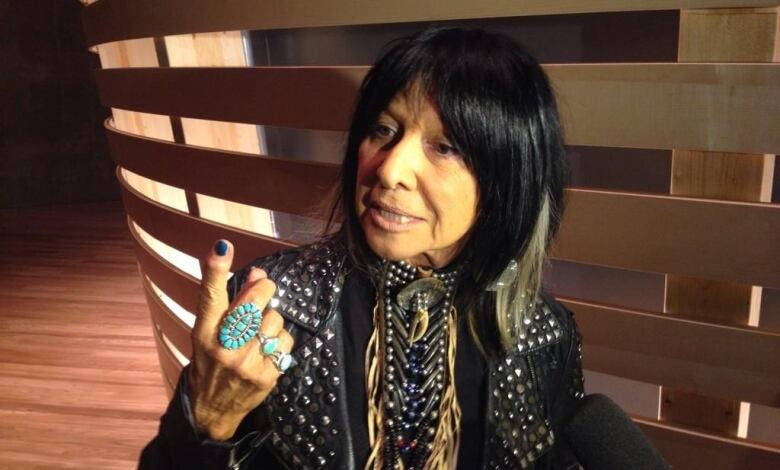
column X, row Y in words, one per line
column 80, row 384
column 110, row 20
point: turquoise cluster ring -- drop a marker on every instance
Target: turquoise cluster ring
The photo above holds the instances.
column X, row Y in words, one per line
column 240, row 326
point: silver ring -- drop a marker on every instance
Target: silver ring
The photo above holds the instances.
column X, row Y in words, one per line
column 268, row 344
column 281, row 360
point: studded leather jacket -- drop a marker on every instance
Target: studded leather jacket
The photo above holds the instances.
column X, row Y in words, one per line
column 304, row 422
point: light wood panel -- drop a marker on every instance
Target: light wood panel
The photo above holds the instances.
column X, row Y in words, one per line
column 143, row 53
column 219, row 49
column 79, row 378
column 109, row 20
column 615, row 105
column 729, row 35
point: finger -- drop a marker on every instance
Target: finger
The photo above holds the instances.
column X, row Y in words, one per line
column 255, row 274
column 286, row 341
column 267, row 373
column 273, row 322
column 213, row 302
column 258, row 292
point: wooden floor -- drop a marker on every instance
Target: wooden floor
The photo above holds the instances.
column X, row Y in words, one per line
column 79, row 382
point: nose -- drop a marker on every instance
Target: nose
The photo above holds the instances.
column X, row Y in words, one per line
column 401, row 163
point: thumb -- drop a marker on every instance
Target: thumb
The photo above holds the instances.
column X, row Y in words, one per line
column 215, row 267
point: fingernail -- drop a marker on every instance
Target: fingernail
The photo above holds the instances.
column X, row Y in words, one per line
column 221, row 248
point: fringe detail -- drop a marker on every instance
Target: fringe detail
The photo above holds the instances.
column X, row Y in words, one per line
column 446, row 442
column 373, row 388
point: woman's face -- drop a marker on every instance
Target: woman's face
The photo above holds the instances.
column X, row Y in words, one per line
column 416, row 198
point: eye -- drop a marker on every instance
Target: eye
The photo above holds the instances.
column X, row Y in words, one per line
column 381, row 131
column 445, row 149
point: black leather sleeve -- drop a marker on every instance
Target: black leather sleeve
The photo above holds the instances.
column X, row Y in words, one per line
column 566, row 390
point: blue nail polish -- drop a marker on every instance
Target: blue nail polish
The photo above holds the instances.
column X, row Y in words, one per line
column 221, row 248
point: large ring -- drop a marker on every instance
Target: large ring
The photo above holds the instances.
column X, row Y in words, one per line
column 281, row 360
column 240, row 326
column 268, row 344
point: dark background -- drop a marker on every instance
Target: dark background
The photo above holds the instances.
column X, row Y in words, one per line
column 52, row 145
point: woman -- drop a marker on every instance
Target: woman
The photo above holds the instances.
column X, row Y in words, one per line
column 418, row 334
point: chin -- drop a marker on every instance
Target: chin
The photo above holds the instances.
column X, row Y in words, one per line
column 388, row 250
column 391, row 247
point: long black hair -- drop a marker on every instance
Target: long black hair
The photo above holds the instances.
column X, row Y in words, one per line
column 499, row 108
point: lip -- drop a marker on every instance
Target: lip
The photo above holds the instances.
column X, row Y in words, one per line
column 391, row 218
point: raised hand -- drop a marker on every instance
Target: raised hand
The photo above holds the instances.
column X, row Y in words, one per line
column 226, row 384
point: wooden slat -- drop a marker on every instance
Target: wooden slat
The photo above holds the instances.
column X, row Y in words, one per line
column 191, row 235
column 615, row 105
column 178, row 285
column 172, row 327
column 716, row 107
column 171, row 367
column 702, row 238
column 112, row 20
column 716, row 360
column 285, row 185
column 305, row 97
column 692, row 450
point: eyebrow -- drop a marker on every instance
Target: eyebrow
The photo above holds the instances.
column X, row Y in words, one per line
column 395, row 113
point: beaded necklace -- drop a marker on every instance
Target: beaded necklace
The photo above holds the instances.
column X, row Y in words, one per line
column 413, row 411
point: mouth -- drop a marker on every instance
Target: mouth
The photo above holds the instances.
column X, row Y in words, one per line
column 391, row 218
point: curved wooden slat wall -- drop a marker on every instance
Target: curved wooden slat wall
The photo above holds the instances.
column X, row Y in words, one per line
column 667, row 105
column 670, row 106
column 114, row 20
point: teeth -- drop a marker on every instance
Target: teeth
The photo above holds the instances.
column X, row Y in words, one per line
column 393, row 217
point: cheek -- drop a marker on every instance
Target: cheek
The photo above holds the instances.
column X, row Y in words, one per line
column 460, row 210
column 361, row 186
column 367, row 165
